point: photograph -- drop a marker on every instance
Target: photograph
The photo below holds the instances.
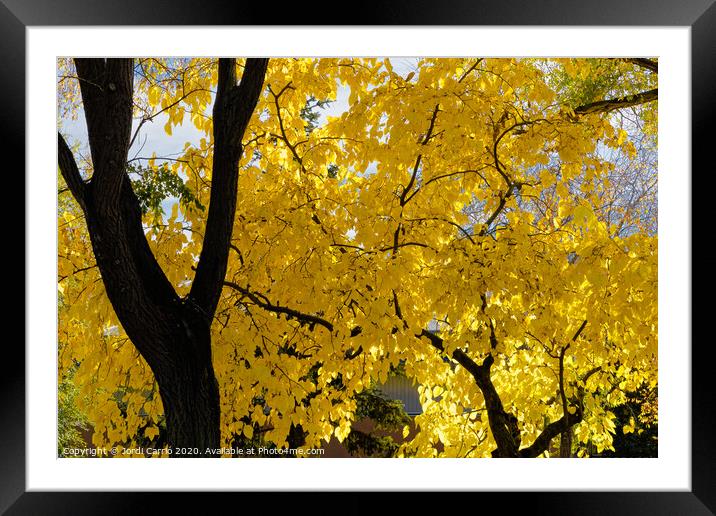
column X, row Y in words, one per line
column 357, row 257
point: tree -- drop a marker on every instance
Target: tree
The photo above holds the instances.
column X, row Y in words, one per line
column 459, row 220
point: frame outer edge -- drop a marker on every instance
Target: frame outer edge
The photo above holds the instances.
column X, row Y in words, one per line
column 703, row 411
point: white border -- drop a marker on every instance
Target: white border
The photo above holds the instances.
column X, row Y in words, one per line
column 671, row 471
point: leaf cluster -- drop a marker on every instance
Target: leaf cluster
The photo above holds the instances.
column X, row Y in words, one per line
column 153, row 186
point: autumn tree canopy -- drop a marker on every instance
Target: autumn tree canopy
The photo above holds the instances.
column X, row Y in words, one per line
column 486, row 225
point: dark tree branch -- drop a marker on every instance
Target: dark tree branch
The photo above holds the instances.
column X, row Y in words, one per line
column 446, row 221
column 512, row 185
column 233, row 108
column 396, row 246
column 460, row 356
column 404, row 198
column 562, row 394
column 496, row 143
column 263, row 302
column 152, row 281
column 283, row 136
column 77, row 271
column 311, row 320
column 565, row 442
column 496, row 213
column 503, row 425
column 551, row 431
column 565, row 439
column 605, row 106
column 590, row 373
column 459, row 172
column 564, row 425
column 493, row 338
column 70, row 172
column 238, row 252
column 649, row 64
column 470, row 70
column 107, row 89
column 579, row 332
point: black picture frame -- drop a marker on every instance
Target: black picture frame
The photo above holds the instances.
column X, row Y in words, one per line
column 699, row 15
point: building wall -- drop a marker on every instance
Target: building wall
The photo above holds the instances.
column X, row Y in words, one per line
column 402, row 388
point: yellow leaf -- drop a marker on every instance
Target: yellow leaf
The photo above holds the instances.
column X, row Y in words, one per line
column 621, row 136
column 562, row 190
column 151, row 432
column 629, row 428
column 153, row 95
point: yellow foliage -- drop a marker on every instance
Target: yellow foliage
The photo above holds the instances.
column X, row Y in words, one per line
column 422, row 165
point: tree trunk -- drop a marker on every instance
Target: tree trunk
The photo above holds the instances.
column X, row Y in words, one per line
column 190, row 394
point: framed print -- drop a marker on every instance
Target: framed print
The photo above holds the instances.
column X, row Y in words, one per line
column 341, row 133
